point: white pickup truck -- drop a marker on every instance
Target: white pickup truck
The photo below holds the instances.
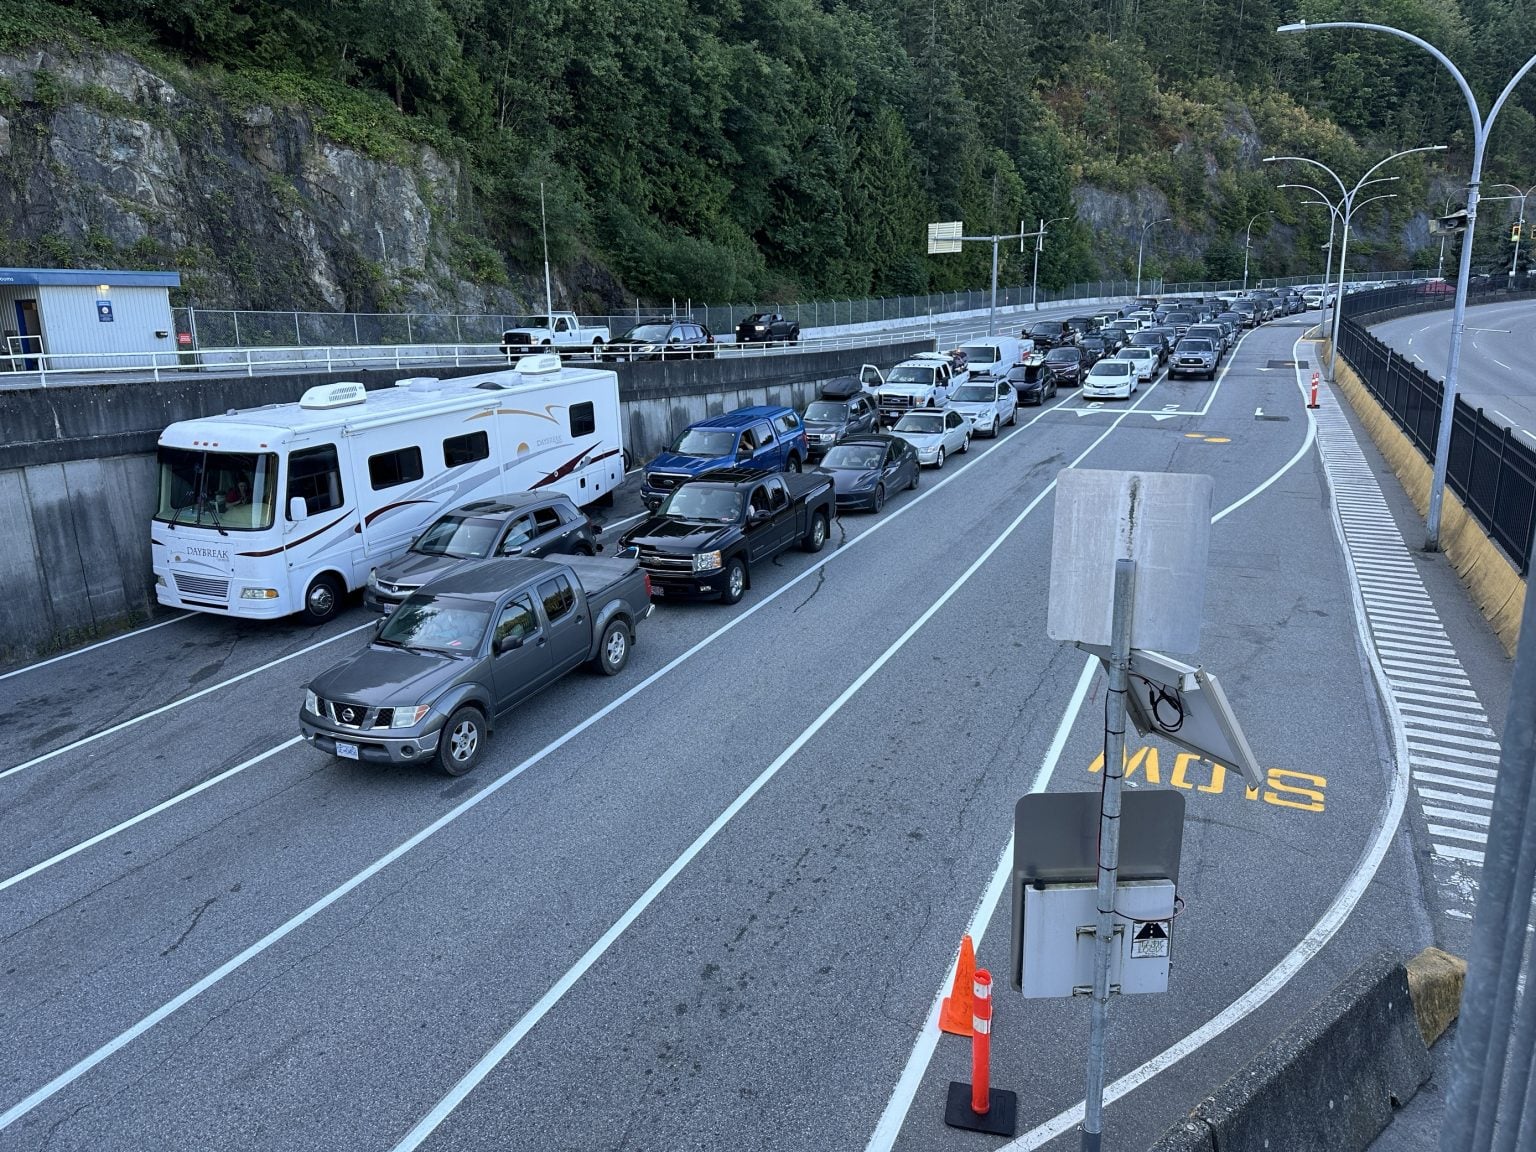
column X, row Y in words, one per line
column 923, row 381
column 561, row 331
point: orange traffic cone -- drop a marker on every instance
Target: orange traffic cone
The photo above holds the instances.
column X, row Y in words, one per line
column 958, row 1009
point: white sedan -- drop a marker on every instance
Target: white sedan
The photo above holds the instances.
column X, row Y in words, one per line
column 934, row 434
column 1112, row 379
column 1144, row 358
column 987, row 403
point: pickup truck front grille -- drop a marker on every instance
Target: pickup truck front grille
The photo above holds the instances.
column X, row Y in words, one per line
column 893, row 401
column 663, row 564
column 666, row 481
column 351, row 715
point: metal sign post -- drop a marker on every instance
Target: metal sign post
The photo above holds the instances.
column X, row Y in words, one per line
column 1109, row 845
column 946, row 237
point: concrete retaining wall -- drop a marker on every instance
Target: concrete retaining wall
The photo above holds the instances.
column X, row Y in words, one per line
column 1333, row 1080
column 77, row 470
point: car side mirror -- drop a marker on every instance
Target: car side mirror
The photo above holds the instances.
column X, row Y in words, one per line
column 511, row 549
column 509, row 643
column 758, row 516
column 298, row 509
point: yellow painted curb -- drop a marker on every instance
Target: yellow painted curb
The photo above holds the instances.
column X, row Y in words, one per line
column 1494, row 582
column 1435, row 981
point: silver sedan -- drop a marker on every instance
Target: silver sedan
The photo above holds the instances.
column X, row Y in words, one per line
column 934, row 434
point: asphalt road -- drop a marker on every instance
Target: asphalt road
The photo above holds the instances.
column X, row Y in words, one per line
column 1497, row 351
column 707, row 903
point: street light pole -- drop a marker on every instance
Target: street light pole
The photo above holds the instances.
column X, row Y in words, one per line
column 1334, row 212
column 1480, row 130
column 1141, row 246
column 549, row 296
column 1348, row 202
column 993, row 240
column 1248, row 245
column 1034, row 290
column 1514, row 267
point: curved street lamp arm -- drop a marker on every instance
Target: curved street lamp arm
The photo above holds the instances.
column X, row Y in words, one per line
column 1396, row 156
column 1315, row 164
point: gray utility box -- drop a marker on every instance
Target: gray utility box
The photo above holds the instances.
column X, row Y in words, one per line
column 1059, row 925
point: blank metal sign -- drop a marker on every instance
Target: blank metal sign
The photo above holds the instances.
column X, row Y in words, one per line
column 1162, row 520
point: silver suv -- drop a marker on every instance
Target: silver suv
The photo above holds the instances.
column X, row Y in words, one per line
column 1194, row 356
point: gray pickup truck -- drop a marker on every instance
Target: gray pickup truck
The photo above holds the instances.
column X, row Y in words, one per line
column 460, row 652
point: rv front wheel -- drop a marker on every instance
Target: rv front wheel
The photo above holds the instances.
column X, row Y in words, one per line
column 322, row 599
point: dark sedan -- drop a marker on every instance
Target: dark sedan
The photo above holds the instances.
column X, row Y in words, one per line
column 1065, row 367
column 867, row 469
column 763, row 326
column 1033, row 384
column 520, row 524
column 1147, row 338
column 1094, row 348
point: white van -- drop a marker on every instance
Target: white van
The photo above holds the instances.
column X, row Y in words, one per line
column 994, row 355
column 281, row 509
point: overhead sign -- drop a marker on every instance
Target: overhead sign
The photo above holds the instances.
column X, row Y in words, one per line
column 104, row 311
column 1161, row 520
column 944, row 237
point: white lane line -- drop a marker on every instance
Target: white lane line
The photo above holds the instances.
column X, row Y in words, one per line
column 1439, row 695
column 123, row 1039
column 59, row 857
column 610, row 525
column 93, row 647
column 530, row 1019
column 1501, row 364
column 1452, row 852
column 901, row 1098
column 891, row 1120
column 1430, row 722
column 1523, row 432
column 1452, row 766
column 164, row 708
column 1476, row 818
column 1455, row 798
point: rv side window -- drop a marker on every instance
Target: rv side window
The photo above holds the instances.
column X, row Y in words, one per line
column 583, row 419
column 390, row 469
column 315, row 474
column 466, row 449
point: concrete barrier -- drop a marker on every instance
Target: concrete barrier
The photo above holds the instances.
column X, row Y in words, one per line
column 78, row 475
column 1334, row 1079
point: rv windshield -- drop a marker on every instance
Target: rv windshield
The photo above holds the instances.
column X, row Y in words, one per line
column 232, row 491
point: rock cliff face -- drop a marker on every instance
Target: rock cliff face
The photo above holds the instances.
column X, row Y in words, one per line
column 105, row 162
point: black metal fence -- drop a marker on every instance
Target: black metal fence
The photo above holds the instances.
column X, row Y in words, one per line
column 1489, row 467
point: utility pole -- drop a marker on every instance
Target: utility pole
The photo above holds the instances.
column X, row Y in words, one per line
column 1248, row 245
column 1141, row 246
column 549, row 296
column 1039, row 235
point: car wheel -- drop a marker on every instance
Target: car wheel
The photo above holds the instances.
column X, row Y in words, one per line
column 939, row 460
column 461, row 741
column 817, row 536
column 793, row 465
column 613, row 652
column 879, row 498
column 917, row 474
column 585, row 549
column 321, row 599
column 735, row 580
column 965, row 445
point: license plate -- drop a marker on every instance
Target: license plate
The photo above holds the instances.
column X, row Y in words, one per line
column 658, row 590
column 346, row 751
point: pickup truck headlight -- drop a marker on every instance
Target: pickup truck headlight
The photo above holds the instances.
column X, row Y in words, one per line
column 706, row 561
column 407, row 717
column 311, row 703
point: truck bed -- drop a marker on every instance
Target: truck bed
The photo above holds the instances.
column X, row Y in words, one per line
column 598, row 575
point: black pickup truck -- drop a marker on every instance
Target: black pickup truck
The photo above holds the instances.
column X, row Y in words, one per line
column 704, row 540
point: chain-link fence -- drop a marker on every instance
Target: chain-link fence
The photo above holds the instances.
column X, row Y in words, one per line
column 225, row 328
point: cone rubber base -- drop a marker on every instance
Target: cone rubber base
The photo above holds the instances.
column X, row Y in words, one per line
column 1000, row 1118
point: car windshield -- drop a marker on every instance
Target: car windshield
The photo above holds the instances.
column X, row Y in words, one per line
column 1146, row 340
column 1111, row 368
column 439, row 624
column 828, row 410
column 536, row 322
column 648, row 333
column 462, row 537
column 1181, row 317
column 1062, row 356
column 756, row 318
column 705, row 442
column 1045, row 329
column 974, row 394
column 924, row 423
column 910, row 374
column 704, row 502
column 982, row 353
column 1136, row 353
column 860, row 456
column 1196, row 346
column 229, row 491
column 1093, row 343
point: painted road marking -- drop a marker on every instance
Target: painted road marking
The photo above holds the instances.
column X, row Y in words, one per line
column 93, row 647
column 1282, row 787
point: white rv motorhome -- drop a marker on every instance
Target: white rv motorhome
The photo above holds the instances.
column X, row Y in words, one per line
column 271, row 511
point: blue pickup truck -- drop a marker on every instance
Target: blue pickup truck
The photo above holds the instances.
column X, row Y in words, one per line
column 758, row 439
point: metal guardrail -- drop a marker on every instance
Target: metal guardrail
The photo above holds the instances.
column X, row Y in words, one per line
column 1489, row 467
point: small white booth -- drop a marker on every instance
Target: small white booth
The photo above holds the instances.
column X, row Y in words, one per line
column 63, row 319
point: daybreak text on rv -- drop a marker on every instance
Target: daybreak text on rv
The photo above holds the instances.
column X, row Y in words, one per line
column 286, row 508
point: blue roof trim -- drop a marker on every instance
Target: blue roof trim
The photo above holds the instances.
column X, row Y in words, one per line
column 89, row 277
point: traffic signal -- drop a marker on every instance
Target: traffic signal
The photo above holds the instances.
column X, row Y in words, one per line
column 1514, row 233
